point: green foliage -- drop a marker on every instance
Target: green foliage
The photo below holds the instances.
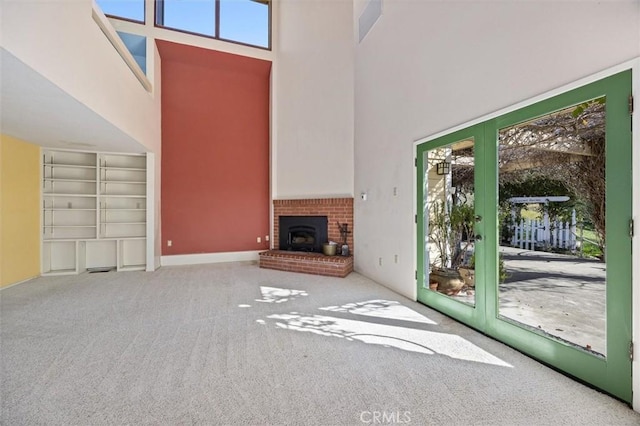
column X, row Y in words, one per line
column 591, row 250
column 502, row 271
column 449, row 228
column 532, row 185
column 580, row 109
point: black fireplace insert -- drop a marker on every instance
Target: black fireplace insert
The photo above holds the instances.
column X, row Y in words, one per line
column 303, row 233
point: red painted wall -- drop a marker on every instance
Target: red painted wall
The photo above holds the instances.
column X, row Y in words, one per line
column 215, row 151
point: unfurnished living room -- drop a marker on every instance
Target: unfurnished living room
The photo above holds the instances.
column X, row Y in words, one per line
column 305, row 212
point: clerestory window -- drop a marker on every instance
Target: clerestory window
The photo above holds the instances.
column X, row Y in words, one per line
column 131, row 10
column 239, row 21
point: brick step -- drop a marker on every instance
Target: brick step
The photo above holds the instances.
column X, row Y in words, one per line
column 307, row 263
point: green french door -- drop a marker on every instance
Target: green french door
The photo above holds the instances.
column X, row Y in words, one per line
column 523, row 230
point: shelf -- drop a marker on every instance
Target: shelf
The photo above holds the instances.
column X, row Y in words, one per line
column 128, row 169
column 122, row 196
column 92, row 239
column 74, row 166
column 123, row 223
column 69, row 180
column 66, row 209
column 55, row 194
column 68, row 239
column 68, row 226
column 125, row 162
column 121, row 210
column 133, row 182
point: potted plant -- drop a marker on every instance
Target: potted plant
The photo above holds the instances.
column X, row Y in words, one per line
column 451, row 231
column 468, row 273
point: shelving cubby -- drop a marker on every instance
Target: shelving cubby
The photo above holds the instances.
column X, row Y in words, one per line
column 94, row 211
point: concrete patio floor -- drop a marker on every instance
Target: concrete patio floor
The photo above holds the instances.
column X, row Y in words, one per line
column 561, row 294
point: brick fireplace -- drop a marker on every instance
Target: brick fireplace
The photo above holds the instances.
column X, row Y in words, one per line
column 337, row 210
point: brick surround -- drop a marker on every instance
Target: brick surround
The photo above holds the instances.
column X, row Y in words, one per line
column 337, row 210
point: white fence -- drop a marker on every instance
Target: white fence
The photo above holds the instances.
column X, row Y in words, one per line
column 530, row 234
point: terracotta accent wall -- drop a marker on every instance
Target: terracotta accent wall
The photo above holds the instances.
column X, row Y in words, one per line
column 215, row 151
column 336, row 209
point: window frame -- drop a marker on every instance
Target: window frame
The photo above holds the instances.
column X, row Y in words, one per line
column 158, row 16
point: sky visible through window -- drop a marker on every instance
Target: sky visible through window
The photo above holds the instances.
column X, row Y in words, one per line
column 245, row 21
column 129, row 9
column 195, row 16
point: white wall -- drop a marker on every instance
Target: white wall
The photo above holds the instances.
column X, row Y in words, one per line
column 312, row 143
column 61, row 41
column 428, row 66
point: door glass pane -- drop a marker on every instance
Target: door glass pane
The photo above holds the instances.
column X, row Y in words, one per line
column 449, row 220
column 552, row 225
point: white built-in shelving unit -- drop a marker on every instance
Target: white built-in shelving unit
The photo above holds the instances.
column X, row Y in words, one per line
column 94, row 211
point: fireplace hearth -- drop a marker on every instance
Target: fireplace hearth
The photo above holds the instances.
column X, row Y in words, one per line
column 338, row 213
column 302, row 233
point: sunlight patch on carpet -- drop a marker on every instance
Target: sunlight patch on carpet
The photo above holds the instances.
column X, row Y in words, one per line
column 279, row 295
column 404, row 338
column 379, row 308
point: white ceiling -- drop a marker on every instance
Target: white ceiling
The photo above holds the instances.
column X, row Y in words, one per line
column 35, row 110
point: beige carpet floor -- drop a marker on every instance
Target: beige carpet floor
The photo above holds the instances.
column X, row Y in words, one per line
column 232, row 344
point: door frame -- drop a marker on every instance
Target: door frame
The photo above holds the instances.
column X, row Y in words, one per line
column 634, row 66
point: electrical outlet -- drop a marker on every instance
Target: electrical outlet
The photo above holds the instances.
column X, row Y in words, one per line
column 169, row 243
column 380, row 261
column 266, row 238
column 259, row 240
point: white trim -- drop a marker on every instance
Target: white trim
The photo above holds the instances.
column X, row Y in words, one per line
column 176, row 36
column 195, row 259
column 19, row 282
column 634, row 66
column 151, row 213
column 108, row 30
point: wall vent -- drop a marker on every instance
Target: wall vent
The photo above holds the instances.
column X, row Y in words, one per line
column 369, row 16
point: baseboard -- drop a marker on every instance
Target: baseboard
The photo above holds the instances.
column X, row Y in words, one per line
column 194, row 259
column 19, row 282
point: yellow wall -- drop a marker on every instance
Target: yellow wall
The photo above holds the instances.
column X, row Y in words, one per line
column 19, row 210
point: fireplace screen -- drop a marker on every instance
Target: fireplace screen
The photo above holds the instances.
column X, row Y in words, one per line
column 303, row 233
